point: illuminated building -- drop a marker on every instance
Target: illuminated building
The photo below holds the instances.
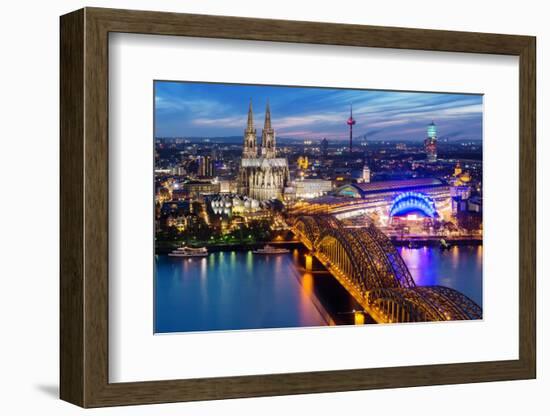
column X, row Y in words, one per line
column 382, row 197
column 365, row 177
column 240, row 207
column 262, row 175
column 233, row 204
column 312, row 188
column 163, row 195
column 173, row 214
column 205, row 168
column 465, row 177
column 228, row 186
column 458, row 169
column 303, row 162
column 460, row 186
column 249, row 149
column 430, row 144
column 409, row 201
column 462, row 192
column 178, row 171
column 460, row 177
column 196, row 188
column 179, row 194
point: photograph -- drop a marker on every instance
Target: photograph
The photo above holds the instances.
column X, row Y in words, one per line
column 293, row 206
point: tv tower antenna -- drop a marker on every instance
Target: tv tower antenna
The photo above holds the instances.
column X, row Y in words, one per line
column 350, row 123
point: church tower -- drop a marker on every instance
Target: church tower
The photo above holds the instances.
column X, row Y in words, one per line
column 262, row 176
column 249, row 148
column 268, row 136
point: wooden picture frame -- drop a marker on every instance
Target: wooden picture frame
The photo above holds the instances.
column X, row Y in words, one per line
column 84, row 207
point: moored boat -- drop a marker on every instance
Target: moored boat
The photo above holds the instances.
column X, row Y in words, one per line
column 267, row 249
column 189, row 252
column 444, row 245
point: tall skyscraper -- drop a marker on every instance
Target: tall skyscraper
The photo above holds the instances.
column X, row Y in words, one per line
column 205, row 167
column 430, row 143
column 324, row 147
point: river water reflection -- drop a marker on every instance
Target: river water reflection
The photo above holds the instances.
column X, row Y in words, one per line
column 240, row 290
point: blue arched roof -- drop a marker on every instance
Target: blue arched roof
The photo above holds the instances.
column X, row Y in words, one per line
column 413, row 201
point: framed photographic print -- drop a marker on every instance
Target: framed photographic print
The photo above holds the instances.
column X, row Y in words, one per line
column 256, row 207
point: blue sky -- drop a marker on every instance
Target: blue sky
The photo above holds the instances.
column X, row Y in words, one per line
column 184, row 109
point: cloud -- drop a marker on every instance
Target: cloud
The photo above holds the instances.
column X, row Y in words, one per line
column 235, row 121
column 190, row 109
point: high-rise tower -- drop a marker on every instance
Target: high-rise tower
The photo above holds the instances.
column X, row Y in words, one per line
column 430, row 144
column 268, row 136
column 351, row 123
column 249, row 148
column 324, row 147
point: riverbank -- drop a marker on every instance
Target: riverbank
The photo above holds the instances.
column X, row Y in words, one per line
column 166, row 247
column 435, row 241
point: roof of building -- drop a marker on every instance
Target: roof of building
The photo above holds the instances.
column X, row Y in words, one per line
column 361, row 190
column 262, row 162
column 198, row 182
column 382, row 186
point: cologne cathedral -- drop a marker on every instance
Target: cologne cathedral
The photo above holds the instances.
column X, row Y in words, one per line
column 262, row 174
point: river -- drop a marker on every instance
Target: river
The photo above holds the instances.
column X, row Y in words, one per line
column 239, row 290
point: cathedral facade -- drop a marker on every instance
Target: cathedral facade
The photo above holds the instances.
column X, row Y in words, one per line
column 262, row 175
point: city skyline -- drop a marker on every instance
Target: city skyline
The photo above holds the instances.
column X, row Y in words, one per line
column 268, row 233
column 184, row 109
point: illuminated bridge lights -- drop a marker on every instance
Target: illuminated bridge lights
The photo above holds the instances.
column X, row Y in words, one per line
column 369, row 267
column 413, row 201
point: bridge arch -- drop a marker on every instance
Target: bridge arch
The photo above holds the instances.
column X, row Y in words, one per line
column 345, row 252
column 367, row 256
column 366, row 263
column 421, row 304
column 308, row 230
column 413, row 201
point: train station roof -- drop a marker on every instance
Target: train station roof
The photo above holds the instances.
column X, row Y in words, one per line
column 360, row 190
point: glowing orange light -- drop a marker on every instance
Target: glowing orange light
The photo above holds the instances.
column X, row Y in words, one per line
column 307, row 283
column 359, row 318
column 309, row 262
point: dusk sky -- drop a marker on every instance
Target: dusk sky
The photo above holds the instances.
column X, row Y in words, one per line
column 185, row 109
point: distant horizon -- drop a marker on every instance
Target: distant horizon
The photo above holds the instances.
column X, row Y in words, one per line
column 215, row 110
column 344, row 140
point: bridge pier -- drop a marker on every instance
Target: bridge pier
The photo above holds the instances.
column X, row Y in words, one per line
column 359, row 318
column 309, row 262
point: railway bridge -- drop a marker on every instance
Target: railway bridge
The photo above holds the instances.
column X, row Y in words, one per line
column 367, row 264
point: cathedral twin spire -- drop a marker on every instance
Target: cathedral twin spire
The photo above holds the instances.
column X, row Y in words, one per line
column 268, row 136
column 249, row 149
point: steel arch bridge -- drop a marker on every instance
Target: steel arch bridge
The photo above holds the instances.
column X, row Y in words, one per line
column 366, row 263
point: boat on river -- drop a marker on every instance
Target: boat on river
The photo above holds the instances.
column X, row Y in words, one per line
column 444, row 245
column 271, row 250
column 189, row 252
